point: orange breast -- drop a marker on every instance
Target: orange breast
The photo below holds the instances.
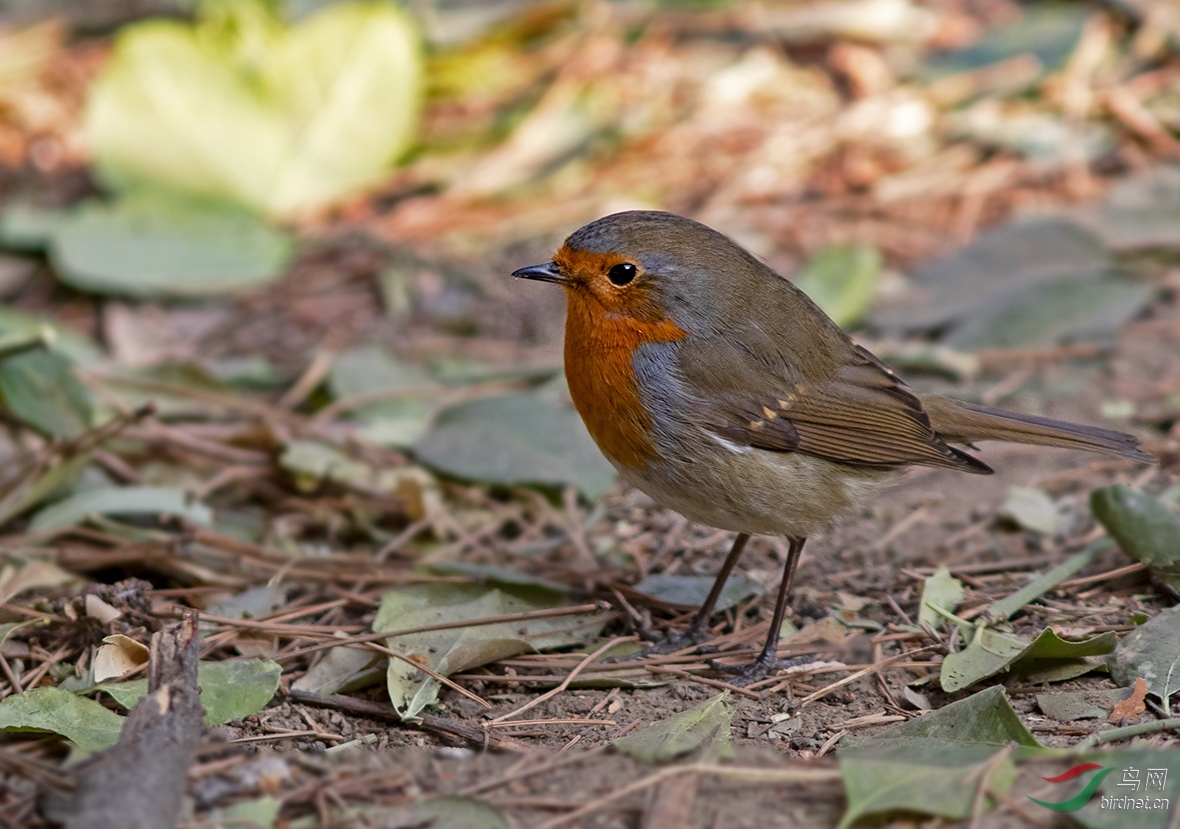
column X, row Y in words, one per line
column 598, row 350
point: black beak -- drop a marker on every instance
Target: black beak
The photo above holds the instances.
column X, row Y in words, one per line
column 542, row 273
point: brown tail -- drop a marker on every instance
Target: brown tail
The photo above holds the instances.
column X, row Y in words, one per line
column 958, row 422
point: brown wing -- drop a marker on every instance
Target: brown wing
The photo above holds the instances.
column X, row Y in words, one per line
column 861, row 415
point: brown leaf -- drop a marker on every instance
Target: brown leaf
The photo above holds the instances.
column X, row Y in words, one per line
column 1132, row 706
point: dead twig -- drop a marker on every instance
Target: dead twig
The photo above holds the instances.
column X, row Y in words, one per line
column 564, row 684
column 383, row 711
column 823, row 692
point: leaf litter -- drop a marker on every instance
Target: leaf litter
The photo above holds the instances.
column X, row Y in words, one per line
column 364, row 480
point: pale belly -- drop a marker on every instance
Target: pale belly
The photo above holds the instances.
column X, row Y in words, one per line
column 755, row 491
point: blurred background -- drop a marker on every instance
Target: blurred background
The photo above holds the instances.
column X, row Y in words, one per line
column 254, row 263
column 237, row 190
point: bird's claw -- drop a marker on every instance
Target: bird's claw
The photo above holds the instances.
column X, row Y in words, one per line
column 759, row 669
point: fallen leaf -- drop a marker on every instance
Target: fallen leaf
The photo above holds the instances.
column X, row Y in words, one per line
column 447, row 812
column 1140, row 212
column 1041, row 583
column 1143, row 527
column 39, row 389
column 82, row 721
column 117, row 655
column 494, row 574
column 229, row 690
column 990, row 271
column 931, row 764
column 148, row 245
column 1048, row 32
column 690, row 591
column 1151, row 652
column 69, row 342
column 148, row 501
column 1048, row 657
column 401, row 419
column 30, row 575
column 1132, row 706
column 458, row 649
column 706, row 724
column 343, row 670
column 940, row 590
column 1069, row 706
column 842, row 280
column 96, row 608
column 314, row 112
column 526, row 438
column 1031, row 509
column 1082, row 307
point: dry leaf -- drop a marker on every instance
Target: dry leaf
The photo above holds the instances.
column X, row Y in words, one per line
column 1132, row 706
column 118, row 655
column 96, row 608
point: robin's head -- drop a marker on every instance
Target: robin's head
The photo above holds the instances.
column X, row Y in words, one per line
column 645, row 265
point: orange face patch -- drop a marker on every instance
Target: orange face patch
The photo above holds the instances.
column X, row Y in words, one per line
column 604, row 325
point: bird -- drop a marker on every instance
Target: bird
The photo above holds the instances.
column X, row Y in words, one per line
column 722, row 391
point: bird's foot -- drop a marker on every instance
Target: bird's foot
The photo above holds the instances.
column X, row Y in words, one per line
column 761, row 668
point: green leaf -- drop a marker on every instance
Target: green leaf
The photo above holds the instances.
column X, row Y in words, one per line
column 842, row 280
column 83, row 721
column 260, row 813
column 1144, row 528
column 707, row 724
column 992, row 271
column 1049, row 32
column 1048, row 656
column 1053, row 659
column 399, row 420
column 229, row 690
column 56, row 477
column 39, row 389
column 516, row 439
column 941, row 590
column 458, row 649
column 67, row 341
column 988, row 653
column 456, row 812
column 122, row 501
column 8, row 628
column 313, row 113
column 496, row 575
column 342, row 670
column 446, row 812
column 28, row 228
column 1072, row 308
column 1140, row 212
column 1151, row 651
column 690, row 591
column 1042, row 583
column 1069, row 706
column 1031, row 509
column 932, row 764
column 150, row 243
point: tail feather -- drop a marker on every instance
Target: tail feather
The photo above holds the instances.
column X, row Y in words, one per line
column 958, row 422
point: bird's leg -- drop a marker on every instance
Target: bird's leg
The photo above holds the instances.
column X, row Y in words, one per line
column 768, row 661
column 698, row 629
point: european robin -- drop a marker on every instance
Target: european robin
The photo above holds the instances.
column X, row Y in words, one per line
column 718, row 388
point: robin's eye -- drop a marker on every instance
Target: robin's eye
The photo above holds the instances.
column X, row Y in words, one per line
column 622, row 273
